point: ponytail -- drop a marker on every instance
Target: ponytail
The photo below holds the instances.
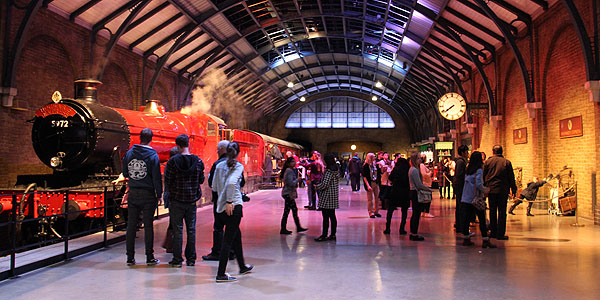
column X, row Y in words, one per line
column 233, row 149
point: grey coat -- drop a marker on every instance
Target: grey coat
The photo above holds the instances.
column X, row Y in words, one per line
column 290, row 182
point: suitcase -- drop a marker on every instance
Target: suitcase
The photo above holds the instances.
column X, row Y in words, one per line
column 567, row 204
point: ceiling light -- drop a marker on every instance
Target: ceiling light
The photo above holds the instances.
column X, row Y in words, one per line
column 378, row 84
column 302, row 99
column 374, row 98
column 353, row 147
column 290, row 84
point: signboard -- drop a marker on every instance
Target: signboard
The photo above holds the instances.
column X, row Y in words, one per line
column 444, row 145
column 570, row 127
column 426, row 147
column 55, row 109
column 520, row 136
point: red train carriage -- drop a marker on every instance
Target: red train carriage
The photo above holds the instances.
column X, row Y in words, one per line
column 256, row 148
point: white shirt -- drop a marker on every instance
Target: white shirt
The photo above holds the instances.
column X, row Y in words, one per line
column 226, row 183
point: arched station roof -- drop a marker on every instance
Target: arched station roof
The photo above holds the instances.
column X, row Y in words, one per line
column 406, row 52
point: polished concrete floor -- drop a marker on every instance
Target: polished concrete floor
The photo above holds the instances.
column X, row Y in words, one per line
column 545, row 258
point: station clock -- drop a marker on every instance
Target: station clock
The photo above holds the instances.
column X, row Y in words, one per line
column 452, row 106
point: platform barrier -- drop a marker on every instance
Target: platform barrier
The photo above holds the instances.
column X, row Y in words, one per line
column 19, row 255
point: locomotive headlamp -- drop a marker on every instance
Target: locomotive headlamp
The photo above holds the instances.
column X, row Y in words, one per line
column 55, row 162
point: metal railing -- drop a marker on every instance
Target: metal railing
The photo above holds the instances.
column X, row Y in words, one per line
column 16, row 221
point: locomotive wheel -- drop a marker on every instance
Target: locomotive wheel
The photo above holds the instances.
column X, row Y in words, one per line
column 74, row 210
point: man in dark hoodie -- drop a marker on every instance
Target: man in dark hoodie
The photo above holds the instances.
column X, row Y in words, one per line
column 141, row 166
column 183, row 176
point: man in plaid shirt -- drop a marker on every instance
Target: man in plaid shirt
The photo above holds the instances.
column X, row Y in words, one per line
column 183, row 176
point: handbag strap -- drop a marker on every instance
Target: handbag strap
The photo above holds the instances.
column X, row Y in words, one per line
column 475, row 186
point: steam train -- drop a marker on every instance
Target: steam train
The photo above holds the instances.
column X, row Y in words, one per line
column 84, row 141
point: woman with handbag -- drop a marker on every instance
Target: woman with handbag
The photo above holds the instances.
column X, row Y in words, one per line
column 473, row 201
column 289, row 176
column 419, row 195
column 227, row 183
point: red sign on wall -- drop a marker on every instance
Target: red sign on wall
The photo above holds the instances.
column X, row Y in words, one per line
column 520, row 136
column 571, row 127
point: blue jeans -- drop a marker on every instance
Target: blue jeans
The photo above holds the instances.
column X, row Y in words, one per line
column 179, row 211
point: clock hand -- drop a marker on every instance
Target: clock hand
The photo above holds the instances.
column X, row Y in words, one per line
column 449, row 108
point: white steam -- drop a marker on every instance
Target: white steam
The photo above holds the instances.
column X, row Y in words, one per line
column 215, row 95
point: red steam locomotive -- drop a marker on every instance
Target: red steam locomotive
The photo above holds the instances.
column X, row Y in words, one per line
column 83, row 142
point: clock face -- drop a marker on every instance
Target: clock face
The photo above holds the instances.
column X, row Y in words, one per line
column 452, row 106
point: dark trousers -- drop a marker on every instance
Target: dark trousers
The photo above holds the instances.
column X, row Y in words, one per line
column 417, row 208
column 467, row 212
column 355, row 182
column 384, row 191
column 218, row 232
column 426, row 207
column 498, row 204
column 312, row 194
column 231, row 239
column 290, row 204
column 329, row 215
column 458, row 193
column 519, row 201
column 168, row 243
column 390, row 213
column 178, row 212
column 140, row 202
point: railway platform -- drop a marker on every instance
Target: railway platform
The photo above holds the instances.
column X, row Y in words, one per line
column 545, row 258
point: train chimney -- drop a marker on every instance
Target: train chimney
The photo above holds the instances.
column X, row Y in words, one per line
column 87, row 89
column 154, row 107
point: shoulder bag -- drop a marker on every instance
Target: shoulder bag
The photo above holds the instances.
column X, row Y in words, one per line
column 478, row 200
column 424, row 196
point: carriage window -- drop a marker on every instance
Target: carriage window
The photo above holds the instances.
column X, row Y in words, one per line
column 211, row 129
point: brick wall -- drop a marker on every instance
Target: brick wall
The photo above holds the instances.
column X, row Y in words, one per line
column 55, row 53
column 559, row 73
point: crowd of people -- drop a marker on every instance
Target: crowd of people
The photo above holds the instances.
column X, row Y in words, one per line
column 184, row 174
column 389, row 184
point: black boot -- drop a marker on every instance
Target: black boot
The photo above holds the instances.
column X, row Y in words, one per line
column 487, row 244
column 283, row 226
column 510, row 211
column 467, row 242
column 529, row 212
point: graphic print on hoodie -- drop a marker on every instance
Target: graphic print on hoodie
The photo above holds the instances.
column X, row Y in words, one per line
column 141, row 166
column 183, row 176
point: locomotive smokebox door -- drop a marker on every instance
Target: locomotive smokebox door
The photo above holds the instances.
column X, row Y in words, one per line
column 59, row 134
column 79, row 134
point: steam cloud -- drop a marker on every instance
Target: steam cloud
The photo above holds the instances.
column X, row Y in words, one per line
column 215, row 96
